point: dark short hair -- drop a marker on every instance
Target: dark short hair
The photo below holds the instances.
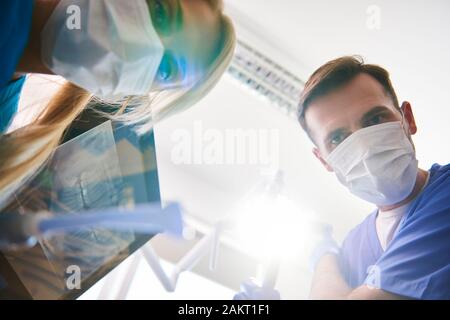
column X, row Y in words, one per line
column 336, row 73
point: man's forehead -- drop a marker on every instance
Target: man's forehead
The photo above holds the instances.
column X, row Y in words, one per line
column 346, row 104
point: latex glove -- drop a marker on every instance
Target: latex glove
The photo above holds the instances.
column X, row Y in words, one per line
column 250, row 290
column 325, row 245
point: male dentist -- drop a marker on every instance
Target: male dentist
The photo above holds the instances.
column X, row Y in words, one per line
column 350, row 112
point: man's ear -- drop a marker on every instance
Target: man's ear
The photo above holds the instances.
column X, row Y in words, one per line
column 409, row 117
column 316, row 152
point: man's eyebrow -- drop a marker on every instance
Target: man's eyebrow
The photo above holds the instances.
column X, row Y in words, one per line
column 372, row 112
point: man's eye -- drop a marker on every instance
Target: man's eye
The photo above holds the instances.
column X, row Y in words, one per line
column 376, row 119
column 336, row 139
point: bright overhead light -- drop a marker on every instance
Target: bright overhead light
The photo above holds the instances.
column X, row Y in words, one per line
column 274, row 227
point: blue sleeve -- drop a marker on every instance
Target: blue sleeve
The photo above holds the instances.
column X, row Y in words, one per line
column 9, row 101
column 358, row 252
column 15, row 23
column 416, row 263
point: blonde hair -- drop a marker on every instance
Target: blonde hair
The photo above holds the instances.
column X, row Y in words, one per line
column 24, row 151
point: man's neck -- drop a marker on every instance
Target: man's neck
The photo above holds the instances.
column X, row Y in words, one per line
column 420, row 182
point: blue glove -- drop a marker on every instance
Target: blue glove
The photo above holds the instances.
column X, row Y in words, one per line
column 252, row 291
column 326, row 245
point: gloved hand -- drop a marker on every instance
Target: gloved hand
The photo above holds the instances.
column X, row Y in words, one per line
column 325, row 245
column 250, row 290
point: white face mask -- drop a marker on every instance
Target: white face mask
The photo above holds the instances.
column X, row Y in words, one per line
column 113, row 51
column 376, row 163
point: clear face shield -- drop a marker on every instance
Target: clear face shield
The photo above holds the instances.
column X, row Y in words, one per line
column 80, row 189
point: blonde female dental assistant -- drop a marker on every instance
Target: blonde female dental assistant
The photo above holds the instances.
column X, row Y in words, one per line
column 123, row 52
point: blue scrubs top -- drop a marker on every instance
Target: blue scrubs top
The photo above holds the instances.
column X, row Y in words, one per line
column 15, row 23
column 416, row 263
column 9, row 101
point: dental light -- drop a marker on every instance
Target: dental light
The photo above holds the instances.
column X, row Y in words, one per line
column 273, row 226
